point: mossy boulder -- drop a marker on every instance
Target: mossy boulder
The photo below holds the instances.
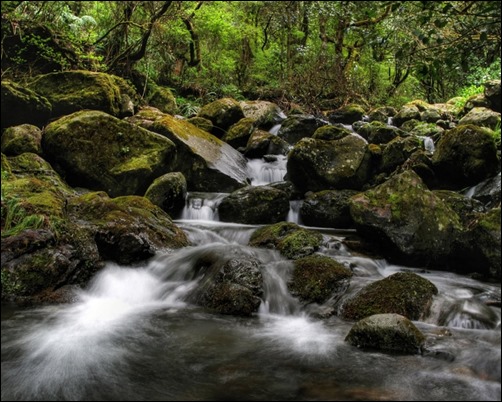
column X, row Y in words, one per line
column 407, row 112
column 231, row 283
column 145, row 117
column 387, row 332
column 383, row 114
column 409, row 222
column 377, row 132
column 316, row 165
column 404, row 293
column 21, row 105
column 289, row 239
column 168, row 192
column 207, row 163
column 397, row 151
column 263, row 143
column 202, row 123
column 255, row 205
column 331, row 132
column 317, row 278
column 95, row 150
column 126, row 229
column 223, row 113
column 41, row 248
column 478, row 250
column 482, row 117
column 265, row 114
column 492, row 93
column 19, row 139
column 298, row 126
column 328, row 208
column 346, row 114
column 163, row 99
column 465, row 156
column 72, row 91
column 238, row 134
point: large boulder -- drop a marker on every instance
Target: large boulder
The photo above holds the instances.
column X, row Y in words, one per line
column 328, row 208
column 263, row 143
column 377, row 132
column 298, row 126
column 492, row 93
column 98, row 151
column 347, row 114
column 238, row 134
column 52, row 237
column 410, row 223
column 126, row 229
column 465, row 156
column 72, row 91
column 482, row 117
column 407, row 112
column 207, row 163
column 231, row 283
column 397, row 151
column 21, row 105
column 255, row 205
column 404, row 293
column 19, row 139
column 168, row 192
column 387, row 332
column 265, row 114
column 163, row 99
column 316, row 165
column 223, row 113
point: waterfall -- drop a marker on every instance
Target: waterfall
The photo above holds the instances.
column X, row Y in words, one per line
column 267, row 170
column 202, row 206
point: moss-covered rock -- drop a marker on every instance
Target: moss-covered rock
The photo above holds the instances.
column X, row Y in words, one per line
column 289, row 239
column 410, row 223
column 207, row 163
column 346, row 114
column 465, row 156
column 387, row 332
column 168, row 192
column 238, row 134
column 21, row 105
column 265, row 114
column 407, row 112
column 298, row 126
column 316, row 165
column 328, row 208
column 202, row 123
column 231, row 283
column 397, row 151
column 492, row 93
column 404, row 293
column 331, row 132
column 263, row 143
column 146, row 116
column 95, row 150
column 316, row 278
column 377, row 132
column 19, row 139
column 482, row 117
column 223, row 113
column 163, row 99
column 72, row 91
column 255, row 205
column 127, row 229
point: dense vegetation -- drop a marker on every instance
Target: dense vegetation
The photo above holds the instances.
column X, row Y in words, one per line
column 316, row 53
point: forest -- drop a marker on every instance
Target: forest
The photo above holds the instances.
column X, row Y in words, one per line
column 320, row 54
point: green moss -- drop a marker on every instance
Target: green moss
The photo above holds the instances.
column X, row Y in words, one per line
column 270, row 235
column 300, row 243
column 491, row 220
column 317, row 277
column 403, row 293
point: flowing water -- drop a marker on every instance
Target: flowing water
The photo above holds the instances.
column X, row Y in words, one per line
column 132, row 334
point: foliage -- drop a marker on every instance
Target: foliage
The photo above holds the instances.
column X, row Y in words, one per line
column 369, row 52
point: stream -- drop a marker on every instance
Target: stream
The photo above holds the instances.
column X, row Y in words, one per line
column 132, row 335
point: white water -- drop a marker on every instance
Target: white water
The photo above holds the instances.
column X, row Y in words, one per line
column 134, row 335
column 262, row 172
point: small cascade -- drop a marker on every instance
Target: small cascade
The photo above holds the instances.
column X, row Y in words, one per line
column 269, row 169
column 294, row 212
column 275, row 129
column 428, row 144
column 202, row 206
